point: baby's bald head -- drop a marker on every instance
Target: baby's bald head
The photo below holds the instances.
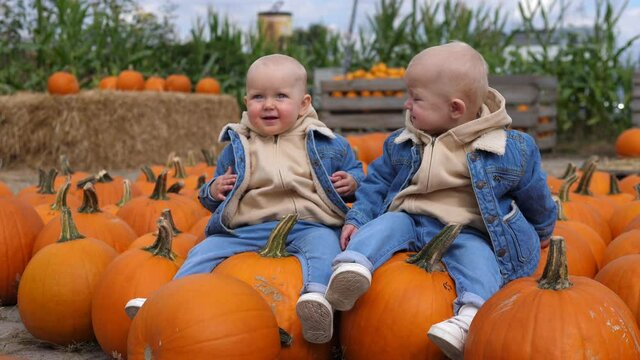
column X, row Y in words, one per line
column 281, row 64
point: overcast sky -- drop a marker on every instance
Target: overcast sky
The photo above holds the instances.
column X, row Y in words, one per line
column 336, row 13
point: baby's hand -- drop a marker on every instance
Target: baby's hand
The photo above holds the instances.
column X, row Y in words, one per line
column 343, row 183
column 222, row 185
column 345, row 236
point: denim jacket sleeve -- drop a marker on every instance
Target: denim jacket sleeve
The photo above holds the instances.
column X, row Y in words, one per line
column 374, row 188
column 225, row 161
column 532, row 194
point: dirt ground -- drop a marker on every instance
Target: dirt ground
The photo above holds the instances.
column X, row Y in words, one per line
column 16, row 341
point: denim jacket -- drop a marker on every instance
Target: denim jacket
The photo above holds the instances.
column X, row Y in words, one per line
column 327, row 154
column 511, row 190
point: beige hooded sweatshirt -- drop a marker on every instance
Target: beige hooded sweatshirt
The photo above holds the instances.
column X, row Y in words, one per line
column 441, row 188
column 279, row 178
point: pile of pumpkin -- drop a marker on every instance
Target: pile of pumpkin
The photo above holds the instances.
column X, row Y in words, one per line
column 377, row 71
column 83, row 244
column 65, row 83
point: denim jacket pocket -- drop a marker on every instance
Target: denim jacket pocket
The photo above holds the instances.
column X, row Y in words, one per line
column 522, row 236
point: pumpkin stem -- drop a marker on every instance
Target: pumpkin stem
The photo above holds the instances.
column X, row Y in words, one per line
column 637, row 189
column 585, row 165
column 47, row 186
column 179, row 172
column 430, row 257
column 89, row 179
column 276, row 245
column 191, row 158
column 202, row 179
column 103, row 176
column 162, row 245
column 176, row 187
column 561, row 214
column 160, row 190
column 166, row 214
column 61, row 197
column 614, row 185
column 89, row 200
column 563, row 193
column 69, row 230
column 65, row 167
column 169, row 162
column 126, row 193
column 568, row 171
column 41, row 175
column 285, row 339
column 585, row 181
column 148, row 173
column 556, row 271
column 209, row 156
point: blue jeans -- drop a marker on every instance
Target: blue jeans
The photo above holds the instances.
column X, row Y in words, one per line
column 315, row 245
column 470, row 260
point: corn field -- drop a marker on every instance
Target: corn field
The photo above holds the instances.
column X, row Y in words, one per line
column 96, row 38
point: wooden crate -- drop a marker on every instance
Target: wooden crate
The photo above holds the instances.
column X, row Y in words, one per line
column 530, row 103
column 635, row 101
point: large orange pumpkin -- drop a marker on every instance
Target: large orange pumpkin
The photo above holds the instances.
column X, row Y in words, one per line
column 627, row 243
column 628, row 143
column 208, row 85
column 556, row 317
column 62, row 83
column 413, row 291
column 54, row 296
column 277, row 276
column 204, row 316
column 621, row 275
column 142, row 212
column 135, row 273
column 180, row 83
column 19, row 226
column 130, row 80
column 108, row 83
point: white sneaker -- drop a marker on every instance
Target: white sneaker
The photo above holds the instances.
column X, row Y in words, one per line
column 316, row 317
column 347, row 283
column 133, row 305
column 451, row 334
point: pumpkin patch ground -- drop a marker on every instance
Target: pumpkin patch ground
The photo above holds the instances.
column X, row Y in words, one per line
column 16, row 341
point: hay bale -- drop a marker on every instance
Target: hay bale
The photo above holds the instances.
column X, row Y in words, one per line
column 109, row 129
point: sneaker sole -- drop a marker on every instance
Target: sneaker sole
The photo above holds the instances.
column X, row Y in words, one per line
column 439, row 338
column 345, row 288
column 317, row 321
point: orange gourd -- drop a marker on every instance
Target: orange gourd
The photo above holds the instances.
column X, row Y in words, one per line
column 108, row 83
column 551, row 317
column 135, row 273
column 413, row 291
column 277, row 276
column 208, row 85
column 54, row 296
column 155, row 83
column 179, row 83
column 225, row 318
column 62, row 83
column 628, row 143
column 130, row 80
column 19, row 226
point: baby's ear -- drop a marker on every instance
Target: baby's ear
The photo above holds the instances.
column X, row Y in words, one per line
column 306, row 101
column 458, row 108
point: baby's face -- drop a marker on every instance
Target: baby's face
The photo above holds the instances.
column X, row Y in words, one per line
column 274, row 100
column 428, row 107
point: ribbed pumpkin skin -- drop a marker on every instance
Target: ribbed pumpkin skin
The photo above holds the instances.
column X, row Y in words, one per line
column 399, row 308
column 135, row 273
column 204, row 316
column 621, row 276
column 521, row 321
column 626, row 244
column 19, row 226
column 141, row 213
column 279, row 281
column 103, row 226
column 54, row 297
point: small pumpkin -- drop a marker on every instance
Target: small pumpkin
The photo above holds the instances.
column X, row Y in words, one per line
column 108, row 83
column 628, row 143
column 208, row 85
column 155, row 83
column 130, row 80
column 62, row 83
column 179, row 83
